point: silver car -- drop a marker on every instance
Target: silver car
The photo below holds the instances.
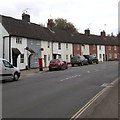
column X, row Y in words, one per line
column 8, row 71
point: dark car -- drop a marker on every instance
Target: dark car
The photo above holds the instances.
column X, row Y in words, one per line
column 91, row 59
column 58, row 64
column 79, row 60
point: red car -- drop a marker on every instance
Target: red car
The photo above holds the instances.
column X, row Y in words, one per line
column 58, row 64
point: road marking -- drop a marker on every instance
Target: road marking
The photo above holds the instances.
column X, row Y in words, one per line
column 88, row 71
column 70, row 77
column 74, row 117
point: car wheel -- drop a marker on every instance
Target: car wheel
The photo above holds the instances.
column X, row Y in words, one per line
column 16, row 77
column 81, row 63
column 50, row 69
column 97, row 62
column 72, row 65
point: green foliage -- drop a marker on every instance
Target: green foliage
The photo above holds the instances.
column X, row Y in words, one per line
column 63, row 24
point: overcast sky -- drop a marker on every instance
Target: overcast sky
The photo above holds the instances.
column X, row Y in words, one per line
column 97, row 15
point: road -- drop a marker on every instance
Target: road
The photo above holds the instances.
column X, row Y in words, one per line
column 56, row 94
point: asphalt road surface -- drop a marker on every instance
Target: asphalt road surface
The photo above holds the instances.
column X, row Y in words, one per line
column 56, row 94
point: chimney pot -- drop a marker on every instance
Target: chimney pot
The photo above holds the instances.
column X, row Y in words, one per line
column 103, row 34
column 87, row 32
column 26, row 17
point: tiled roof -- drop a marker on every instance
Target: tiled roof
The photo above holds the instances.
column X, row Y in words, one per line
column 22, row 28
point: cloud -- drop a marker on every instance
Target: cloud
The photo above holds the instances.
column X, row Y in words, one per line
column 82, row 13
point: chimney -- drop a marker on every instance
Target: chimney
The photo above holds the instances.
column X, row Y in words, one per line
column 87, row 32
column 103, row 34
column 26, row 17
column 50, row 24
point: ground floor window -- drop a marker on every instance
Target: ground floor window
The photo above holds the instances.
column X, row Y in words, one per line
column 110, row 55
column 22, row 58
column 115, row 55
column 66, row 57
column 100, row 55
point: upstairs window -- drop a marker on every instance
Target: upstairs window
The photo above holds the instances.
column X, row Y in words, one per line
column 100, row 47
column 19, row 40
column 78, row 47
column 115, row 48
column 48, row 44
column 59, row 46
column 66, row 45
column 109, row 48
column 94, row 47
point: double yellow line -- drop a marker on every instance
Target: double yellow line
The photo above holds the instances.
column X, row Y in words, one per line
column 91, row 101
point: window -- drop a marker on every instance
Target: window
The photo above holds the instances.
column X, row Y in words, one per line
column 100, row 47
column 78, row 47
column 66, row 57
column 115, row 48
column 22, row 58
column 37, row 42
column 110, row 55
column 66, row 45
column 84, row 47
column 19, row 40
column 59, row 46
column 7, row 64
column 115, row 55
column 109, row 48
column 48, row 44
column 59, row 56
column 100, row 56
column 31, row 42
column 94, row 47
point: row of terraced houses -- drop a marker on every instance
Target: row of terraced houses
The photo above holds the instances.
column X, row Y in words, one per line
column 23, row 42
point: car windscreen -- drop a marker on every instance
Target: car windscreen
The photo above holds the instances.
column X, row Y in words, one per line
column 54, row 61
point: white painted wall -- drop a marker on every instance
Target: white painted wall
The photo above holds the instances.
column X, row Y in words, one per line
column 47, row 51
column 102, row 52
column 21, row 47
column 3, row 33
column 64, row 51
column 85, row 50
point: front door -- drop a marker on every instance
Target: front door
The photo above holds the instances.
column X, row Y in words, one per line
column 45, row 60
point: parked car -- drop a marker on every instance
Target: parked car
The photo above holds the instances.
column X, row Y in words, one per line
column 8, row 71
column 91, row 59
column 79, row 60
column 57, row 64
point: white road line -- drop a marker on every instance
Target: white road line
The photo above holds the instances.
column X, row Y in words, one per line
column 70, row 77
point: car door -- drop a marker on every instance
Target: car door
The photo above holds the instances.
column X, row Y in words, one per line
column 7, row 70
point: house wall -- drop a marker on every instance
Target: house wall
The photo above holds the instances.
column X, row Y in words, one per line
column 76, row 49
column 85, row 50
column 21, row 47
column 101, row 52
column 33, row 57
column 63, row 51
column 46, row 54
column 111, row 52
column 93, row 50
column 3, row 33
column 68, row 52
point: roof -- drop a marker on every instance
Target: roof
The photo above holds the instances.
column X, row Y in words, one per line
column 29, row 30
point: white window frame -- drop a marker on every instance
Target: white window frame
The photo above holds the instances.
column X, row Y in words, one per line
column 59, row 46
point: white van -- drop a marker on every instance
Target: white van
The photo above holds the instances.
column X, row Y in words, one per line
column 8, row 71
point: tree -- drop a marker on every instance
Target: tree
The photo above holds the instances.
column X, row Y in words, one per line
column 63, row 24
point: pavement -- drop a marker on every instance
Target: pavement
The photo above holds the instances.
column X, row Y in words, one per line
column 109, row 106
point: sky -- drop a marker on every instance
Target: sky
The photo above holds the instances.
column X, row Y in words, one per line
column 97, row 15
